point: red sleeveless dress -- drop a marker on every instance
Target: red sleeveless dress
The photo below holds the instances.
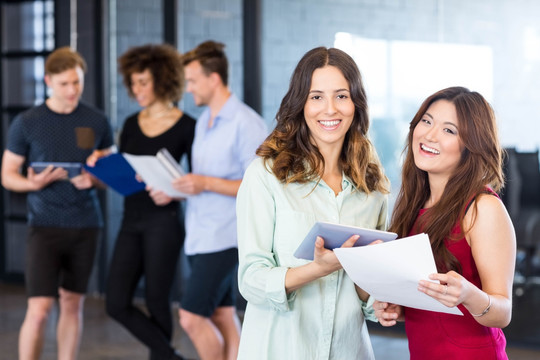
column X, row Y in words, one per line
column 434, row 335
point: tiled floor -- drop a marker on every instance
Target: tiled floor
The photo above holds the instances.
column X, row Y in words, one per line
column 104, row 339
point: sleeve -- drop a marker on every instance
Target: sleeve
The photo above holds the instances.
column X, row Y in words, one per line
column 252, row 133
column 260, row 279
column 368, row 310
column 382, row 222
column 16, row 140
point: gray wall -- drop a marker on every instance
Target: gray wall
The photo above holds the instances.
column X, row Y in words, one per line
column 291, row 27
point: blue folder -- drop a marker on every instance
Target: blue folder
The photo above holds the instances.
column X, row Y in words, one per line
column 115, row 171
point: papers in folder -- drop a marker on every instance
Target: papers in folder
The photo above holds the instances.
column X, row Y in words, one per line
column 390, row 272
column 119, row 170
column 157, row 171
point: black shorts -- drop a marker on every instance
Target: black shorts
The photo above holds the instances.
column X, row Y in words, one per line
column 211, row 282
column 59, row 257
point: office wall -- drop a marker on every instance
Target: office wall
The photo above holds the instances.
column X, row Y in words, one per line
column 200, row 20
column 291, row 27
column 509, row 27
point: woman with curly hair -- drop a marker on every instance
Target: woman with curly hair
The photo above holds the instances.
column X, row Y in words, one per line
column 317, row 165
column 451, row 172
column 151, row 235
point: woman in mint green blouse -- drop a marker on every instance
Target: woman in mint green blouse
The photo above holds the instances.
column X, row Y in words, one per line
column 316, row 165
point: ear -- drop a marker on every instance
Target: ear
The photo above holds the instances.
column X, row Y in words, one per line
column 215, row 78
column 48, row 80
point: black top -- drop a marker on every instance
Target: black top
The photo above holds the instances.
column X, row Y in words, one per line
column 178, row 140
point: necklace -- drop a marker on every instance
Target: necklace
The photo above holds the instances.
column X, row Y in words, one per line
column 158, row 114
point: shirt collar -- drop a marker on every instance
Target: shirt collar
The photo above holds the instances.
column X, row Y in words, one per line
column 228, row 110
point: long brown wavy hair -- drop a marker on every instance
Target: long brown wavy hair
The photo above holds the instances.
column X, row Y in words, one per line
column 295, row 156
column 480, row 166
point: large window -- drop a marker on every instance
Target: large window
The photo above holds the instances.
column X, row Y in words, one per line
column 399, row 75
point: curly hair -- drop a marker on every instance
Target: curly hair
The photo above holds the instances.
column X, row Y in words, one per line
column 295, row 157
column 480, row 166
column 164, row 63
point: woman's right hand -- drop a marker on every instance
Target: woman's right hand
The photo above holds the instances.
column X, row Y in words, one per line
column 388, row 314
column 158, row 196
column 95, row 156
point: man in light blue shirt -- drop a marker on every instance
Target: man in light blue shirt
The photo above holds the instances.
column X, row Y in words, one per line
column 226, row 136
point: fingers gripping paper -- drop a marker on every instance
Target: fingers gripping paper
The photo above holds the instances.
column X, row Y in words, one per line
column 391, row 271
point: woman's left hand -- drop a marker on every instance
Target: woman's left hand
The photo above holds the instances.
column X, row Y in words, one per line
column 158, row 196
column 82, row 181
column 451, row 291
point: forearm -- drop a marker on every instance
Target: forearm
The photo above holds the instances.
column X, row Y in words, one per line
column 500, row 308
column 17, row 182
column 222, row 186
column 302, row 275
column 364, row 296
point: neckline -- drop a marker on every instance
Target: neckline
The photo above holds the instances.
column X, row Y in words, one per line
column 160, row 134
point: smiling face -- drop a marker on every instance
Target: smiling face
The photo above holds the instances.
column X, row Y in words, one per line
column 67, row 88
column 142, row 86
column 329, row 109
column 436, row 144
column 199, row 84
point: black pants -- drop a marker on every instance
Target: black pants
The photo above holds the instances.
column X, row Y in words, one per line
column 148, row 246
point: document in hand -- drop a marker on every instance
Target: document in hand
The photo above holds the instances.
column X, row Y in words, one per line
column 335, row 235
column 158, row 171
column 116, row 172
column 391, row 271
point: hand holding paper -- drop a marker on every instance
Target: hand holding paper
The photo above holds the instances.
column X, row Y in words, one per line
column 390, row 272
column 154, row 173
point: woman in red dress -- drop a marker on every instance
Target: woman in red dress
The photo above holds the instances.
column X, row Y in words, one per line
column 452, row 169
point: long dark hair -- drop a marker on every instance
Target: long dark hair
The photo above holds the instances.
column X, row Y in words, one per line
column 295, row 157
column 480, row 166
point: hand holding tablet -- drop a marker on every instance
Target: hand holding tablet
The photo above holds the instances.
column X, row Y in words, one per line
column 73, row 168
column 334, row 235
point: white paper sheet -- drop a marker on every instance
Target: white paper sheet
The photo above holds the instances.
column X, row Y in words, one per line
column 390, row 271
column 153, row 173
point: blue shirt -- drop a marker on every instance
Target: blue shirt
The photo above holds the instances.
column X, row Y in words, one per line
column 323, row 319
column 225, row 151
column 39, row 134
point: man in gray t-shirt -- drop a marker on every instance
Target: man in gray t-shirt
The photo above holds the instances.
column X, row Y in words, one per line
column 63, row 211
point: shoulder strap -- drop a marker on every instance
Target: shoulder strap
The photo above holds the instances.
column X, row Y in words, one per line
column 487, row 190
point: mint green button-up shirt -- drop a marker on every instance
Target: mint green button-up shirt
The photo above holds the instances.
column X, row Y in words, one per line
column 324, row 319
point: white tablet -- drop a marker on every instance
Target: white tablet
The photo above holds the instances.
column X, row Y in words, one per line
column 334, row 235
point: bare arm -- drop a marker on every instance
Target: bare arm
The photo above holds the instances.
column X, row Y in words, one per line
column 325, row 262
column 13, row 180
column 493, row 244
column 195, row 184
